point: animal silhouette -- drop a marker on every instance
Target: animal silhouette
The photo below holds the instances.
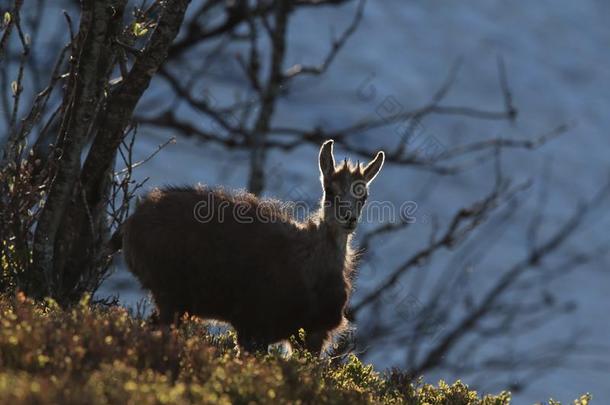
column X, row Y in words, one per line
column 234, row 257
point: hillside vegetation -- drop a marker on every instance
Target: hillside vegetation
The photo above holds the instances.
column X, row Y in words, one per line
column 103, row 355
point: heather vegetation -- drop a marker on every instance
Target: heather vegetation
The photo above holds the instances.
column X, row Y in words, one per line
column 94, row 354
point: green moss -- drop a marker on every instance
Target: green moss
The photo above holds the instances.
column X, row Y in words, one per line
column 90, row 355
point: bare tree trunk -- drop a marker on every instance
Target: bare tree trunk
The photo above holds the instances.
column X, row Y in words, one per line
column 68, row 241
column 82, row 241
column 92, row 67
column 258, row 153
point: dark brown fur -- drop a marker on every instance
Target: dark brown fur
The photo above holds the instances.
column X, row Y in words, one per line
column 267, row 279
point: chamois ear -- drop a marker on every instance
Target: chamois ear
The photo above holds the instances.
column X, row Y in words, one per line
column 372, row 169
column 327, row 161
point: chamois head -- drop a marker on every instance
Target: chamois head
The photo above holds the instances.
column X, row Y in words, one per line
column 345, row 188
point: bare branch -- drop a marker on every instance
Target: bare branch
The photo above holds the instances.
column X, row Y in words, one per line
column 536, row 255
column 336, row 46
column 462, row 224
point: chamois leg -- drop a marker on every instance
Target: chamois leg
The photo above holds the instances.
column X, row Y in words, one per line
column 167, row 314
column 251, row 344
column 316, row 341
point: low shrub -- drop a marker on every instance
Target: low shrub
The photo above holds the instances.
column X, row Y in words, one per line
column 103, row 355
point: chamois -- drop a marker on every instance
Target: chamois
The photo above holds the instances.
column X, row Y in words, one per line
column 233, row 257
